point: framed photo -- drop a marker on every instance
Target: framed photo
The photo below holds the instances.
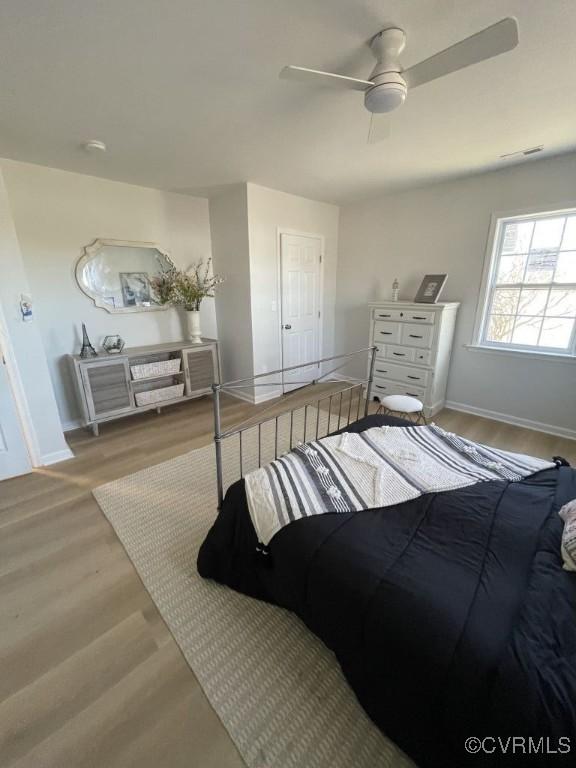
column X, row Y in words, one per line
column 430, row 289
column 136, row 291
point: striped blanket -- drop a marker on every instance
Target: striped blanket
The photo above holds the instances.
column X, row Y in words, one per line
column 377, row 468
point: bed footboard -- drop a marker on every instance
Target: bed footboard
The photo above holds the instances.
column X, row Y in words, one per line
column 343, row 403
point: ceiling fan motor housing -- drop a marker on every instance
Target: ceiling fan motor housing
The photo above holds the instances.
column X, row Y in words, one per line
column 387, row 94
column 389, row 90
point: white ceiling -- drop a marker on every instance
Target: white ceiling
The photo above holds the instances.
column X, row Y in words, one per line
column 186, row 92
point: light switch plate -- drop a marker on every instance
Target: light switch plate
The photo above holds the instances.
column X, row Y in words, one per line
column 26, row 307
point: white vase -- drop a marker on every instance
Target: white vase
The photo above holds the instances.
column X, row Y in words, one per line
column 194, row 332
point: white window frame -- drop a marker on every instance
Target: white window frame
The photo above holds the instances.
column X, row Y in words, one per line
column 497, row 224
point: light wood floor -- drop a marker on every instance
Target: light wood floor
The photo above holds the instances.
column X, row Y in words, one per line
column 89, row 673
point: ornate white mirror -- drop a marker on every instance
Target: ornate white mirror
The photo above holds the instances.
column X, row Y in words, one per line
column 117, row 274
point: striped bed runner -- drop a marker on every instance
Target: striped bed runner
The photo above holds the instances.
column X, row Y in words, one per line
column 376, row 468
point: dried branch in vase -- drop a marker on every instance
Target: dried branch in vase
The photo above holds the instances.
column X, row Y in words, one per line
column 186, row 288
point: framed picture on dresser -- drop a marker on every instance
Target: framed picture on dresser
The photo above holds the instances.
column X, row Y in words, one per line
column 430, row 289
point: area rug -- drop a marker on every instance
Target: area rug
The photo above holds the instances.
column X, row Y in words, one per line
column 276, row 688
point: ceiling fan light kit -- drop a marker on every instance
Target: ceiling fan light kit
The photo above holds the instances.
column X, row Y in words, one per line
column 387, row 95
column 386, row 88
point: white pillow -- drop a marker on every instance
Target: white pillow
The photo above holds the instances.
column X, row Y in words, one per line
column 568, row 514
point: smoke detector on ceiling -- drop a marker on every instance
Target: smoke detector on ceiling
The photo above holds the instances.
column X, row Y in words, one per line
column 94, row 146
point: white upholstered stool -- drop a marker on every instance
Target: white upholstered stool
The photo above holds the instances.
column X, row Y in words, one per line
column 403, row 405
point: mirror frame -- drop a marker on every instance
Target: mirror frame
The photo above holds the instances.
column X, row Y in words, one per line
column 90, row 251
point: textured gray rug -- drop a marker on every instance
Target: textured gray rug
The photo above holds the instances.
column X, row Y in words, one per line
column 277, row 689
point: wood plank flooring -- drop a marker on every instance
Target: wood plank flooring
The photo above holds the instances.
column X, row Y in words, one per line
column 89, row 673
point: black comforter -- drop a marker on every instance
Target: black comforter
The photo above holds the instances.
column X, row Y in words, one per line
column 450, row 615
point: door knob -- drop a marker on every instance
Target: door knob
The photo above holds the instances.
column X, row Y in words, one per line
column 287, row 327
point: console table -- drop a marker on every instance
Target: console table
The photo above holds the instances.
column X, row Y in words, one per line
column 112, row 386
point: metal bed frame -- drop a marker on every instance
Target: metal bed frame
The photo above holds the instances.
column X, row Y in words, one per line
column 349, row 385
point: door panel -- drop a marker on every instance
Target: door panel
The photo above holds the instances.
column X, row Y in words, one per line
column 201, row 368
column 300, row 280
column 107, row 388
column 14, row 458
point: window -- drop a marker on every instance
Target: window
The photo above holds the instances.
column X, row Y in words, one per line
column 530, row 300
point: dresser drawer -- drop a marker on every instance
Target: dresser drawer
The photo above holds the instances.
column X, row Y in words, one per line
column 403, row 373
column 383, row 387
column 383, row 368
column 422, row 356
column 388, row 314
column 416, row 316
column 409, row 389
column 387, row 332
column 414, row 335
column 415, row 377
column 398, row 354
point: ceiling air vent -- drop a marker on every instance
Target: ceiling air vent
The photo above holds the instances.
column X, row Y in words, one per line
column 525, row 152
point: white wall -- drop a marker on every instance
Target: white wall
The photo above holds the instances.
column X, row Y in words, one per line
column 444, row 228
column 245, row 220
column 45, row 435
column 269, row 211
column 56, row 214
column 229, row 229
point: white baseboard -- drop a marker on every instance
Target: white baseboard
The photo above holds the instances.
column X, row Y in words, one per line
column 550, row 429
column 436, row 408
column 338, row 377
column 261, row 397
column 69, row 426
column 56, row 456
column 239, row 395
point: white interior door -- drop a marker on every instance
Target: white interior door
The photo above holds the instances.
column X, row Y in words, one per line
column 300, row 306
column 14, row 458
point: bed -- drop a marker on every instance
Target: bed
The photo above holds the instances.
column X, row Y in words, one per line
column 450, row 614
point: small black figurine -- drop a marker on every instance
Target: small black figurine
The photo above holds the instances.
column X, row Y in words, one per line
column 87, row 348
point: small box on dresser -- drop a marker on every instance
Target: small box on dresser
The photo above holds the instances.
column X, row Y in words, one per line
column 414, row 343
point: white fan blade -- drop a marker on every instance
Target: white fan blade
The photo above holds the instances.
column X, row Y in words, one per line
column 492, row 41
column 379, row 128
column 317, row 77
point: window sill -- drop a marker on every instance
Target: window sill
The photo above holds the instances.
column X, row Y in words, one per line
column 550, row 357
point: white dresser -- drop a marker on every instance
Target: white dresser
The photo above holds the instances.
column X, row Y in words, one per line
column 413, row 344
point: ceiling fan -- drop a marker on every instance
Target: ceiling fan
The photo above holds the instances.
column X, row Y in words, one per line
column 387, row 86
